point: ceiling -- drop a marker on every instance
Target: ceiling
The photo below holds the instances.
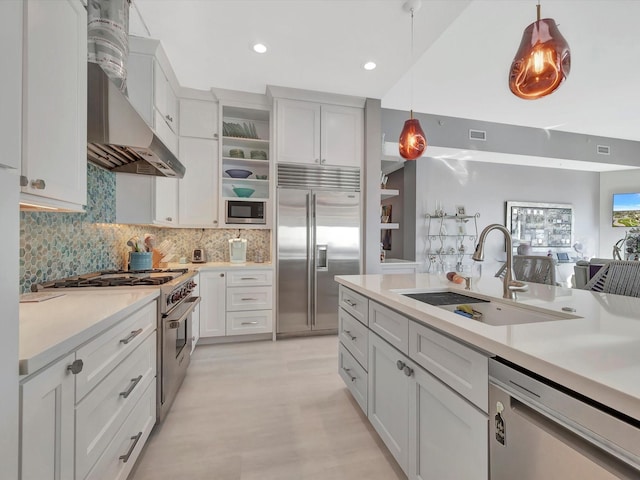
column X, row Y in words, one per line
column 461, row 55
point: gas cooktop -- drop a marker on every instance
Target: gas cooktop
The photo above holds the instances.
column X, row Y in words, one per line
column 115, row 278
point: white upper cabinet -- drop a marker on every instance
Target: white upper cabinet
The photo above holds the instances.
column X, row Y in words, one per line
column 147, row 200
column 165, row 99
column 298, row 131
column 54, row 99
column 11, row 83
column 321, row 134
column 198, row 190
column 151, row 85
column 342, row 135
column 198, row 118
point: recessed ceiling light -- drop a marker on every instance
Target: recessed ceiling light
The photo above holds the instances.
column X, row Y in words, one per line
column 259, row 48
column 370, row 65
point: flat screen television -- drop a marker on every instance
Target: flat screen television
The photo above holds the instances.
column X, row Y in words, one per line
column 626, row 210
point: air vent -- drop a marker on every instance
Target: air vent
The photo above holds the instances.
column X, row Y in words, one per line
column 477, row 135
column 603, row 150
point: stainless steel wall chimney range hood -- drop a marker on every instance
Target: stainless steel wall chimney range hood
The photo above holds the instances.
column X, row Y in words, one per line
column 118, row 139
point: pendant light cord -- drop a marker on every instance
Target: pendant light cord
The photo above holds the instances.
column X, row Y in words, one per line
column 538, row 9
column 411, row 80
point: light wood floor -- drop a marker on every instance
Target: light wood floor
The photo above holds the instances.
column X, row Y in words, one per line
column 266, row 410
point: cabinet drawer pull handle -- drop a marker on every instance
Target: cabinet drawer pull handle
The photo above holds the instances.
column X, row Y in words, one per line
column 249, row 323
column 348, row 372
column 408, row 371
column 75, row 367
column 169, row 219
column 249, row 299
column 132, row 335
column 350, row 303
column 128, row 391
column 169, row 117
column 348, row 334
column 125, row 457
column 400, row 364
column 248, row 278
column 24, row 181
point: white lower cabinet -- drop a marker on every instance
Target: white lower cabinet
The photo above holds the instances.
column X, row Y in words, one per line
column 434, row 419
column 236, row 302
column 100, row 414
column 354, row 376
column 119, row 457
column 212, row 304
column 448, row 437
column 46, row 434
column 71, row 426
column 388, row 397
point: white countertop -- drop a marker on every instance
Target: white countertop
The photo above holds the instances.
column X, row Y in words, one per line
column 597, row 355
column 55, row 327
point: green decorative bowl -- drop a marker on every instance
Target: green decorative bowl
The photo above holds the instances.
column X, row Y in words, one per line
column 243, row 192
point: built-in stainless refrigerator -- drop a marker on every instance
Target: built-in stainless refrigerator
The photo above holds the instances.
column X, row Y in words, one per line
column 318, row 237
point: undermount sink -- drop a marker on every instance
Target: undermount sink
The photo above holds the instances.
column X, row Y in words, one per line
column 487, row 311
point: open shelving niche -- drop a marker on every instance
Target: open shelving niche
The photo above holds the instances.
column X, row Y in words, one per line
column 450, row 240
column 386, row 193
column 260, row 120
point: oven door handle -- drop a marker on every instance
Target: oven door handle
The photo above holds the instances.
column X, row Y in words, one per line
column 185, row 309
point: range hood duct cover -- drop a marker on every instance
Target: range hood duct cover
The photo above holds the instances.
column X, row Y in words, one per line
column 118, row 139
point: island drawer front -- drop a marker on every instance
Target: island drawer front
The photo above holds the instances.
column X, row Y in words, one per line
column 465, row 370
column 390, row 325
column 245, row 278
column 249, row 298
column 354, row 376
column 102, row 354
column 354, row 303
column 354, row 336
column 101, row 413
column 249, row 321
column 129, row 440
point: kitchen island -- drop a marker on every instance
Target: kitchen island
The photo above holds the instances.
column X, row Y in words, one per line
column 596, row 354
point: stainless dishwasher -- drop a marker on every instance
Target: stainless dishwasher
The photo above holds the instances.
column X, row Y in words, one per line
column 542, row 431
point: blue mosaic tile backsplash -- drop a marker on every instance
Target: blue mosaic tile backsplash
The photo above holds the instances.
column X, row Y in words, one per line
column 57, row 245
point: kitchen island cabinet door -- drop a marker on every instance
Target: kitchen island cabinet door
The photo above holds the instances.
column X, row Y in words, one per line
column 448, row 437
column 47, row 430
column 213, row 304
column 54, row 140
column 388, row 396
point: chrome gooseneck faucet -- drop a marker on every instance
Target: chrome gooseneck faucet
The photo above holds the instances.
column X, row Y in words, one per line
column 509, row 285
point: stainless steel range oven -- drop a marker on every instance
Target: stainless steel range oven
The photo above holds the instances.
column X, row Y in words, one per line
column 175, row 307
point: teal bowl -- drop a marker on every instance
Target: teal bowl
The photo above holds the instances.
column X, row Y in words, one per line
column 243, row 192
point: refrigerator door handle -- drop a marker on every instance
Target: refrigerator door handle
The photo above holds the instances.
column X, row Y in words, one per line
column 312, row 257
column 310, row 272
column 322, row 259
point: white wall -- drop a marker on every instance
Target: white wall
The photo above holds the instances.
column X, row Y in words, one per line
column 486, row 187
column 624, row 181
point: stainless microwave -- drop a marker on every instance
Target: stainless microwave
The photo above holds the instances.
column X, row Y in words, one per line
column 245, row 211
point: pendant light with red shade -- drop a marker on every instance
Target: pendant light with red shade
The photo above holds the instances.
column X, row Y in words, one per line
column 542, row 62
column 412, row 142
